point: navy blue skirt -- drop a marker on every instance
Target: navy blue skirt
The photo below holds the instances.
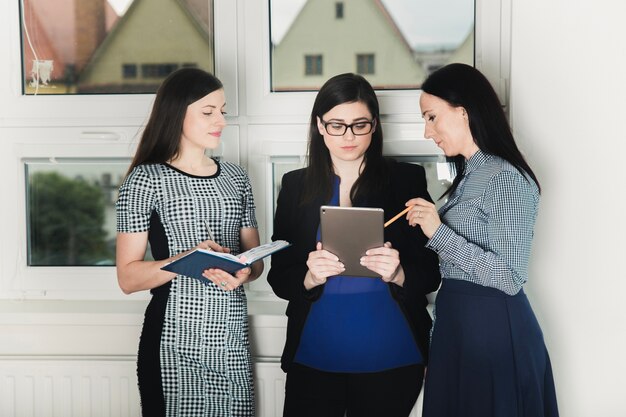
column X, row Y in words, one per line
column 487, row 356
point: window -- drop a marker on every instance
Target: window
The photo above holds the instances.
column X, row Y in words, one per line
column 65, row 126
column 73, row 47
column 339, row 10
column 406, row 36
column 365, row 64
column 129, row 71
column 70, row 209
column 157, row 70
column 132, row 39
column 62, row 227
column 313, row 65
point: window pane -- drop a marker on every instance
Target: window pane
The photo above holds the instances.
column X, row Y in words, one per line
column 339, row 10
column 365, row 64
column 112, row 46
column 281, row 166
column 439, row 174
column 70, row 207
column 397, row 42
column 313, row 64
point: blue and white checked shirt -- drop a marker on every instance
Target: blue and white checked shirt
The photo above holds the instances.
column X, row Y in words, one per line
column 487, row 228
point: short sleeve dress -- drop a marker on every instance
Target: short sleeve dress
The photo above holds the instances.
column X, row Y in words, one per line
column 194, row 357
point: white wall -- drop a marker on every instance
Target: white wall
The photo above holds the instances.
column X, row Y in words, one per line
column 568, row 89
column 568, row 81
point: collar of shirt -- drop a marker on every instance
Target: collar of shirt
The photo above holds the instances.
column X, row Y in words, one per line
column 476, row 161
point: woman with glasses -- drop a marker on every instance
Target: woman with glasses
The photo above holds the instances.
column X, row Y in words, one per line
column 354, row 345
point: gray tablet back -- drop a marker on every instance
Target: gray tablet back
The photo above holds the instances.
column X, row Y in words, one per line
column 349, row 232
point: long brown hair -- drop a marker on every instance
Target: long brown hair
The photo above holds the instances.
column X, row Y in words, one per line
column 340, row 89
column 161, row 138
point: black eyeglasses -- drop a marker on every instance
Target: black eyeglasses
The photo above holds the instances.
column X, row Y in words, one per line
column 359, row 128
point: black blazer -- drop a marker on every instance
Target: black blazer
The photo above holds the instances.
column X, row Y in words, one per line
column 298, row 224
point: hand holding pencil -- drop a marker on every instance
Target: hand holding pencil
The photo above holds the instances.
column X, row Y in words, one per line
column 397, row 216
column 420, row 212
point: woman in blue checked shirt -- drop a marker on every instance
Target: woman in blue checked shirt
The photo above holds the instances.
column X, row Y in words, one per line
column 488, row 356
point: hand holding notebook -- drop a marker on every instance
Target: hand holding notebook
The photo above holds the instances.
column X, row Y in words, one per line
column 195, row 262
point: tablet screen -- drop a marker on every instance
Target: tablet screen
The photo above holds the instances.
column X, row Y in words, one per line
column 349, row 232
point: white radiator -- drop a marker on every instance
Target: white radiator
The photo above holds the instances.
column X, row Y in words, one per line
column 68, row 387
column 269, row 386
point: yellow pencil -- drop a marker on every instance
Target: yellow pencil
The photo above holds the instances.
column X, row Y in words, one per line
column 397, row 216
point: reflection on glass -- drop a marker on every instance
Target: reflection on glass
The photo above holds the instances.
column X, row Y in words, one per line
column 395, row 44
column 439, row 175
column 112, row 46
column 281, row 166
column 70, row 207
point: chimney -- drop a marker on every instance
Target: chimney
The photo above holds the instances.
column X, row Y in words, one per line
column 90, row 29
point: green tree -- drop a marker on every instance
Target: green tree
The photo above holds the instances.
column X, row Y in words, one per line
column 66, row 222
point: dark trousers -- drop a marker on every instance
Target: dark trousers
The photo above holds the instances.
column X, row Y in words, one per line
column 313, row 393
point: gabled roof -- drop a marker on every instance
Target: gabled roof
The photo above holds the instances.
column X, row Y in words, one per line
column 383, row 10
column 392, row 23
column 201, row 24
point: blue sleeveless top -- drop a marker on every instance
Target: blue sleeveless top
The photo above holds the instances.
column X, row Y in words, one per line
column 356, row 326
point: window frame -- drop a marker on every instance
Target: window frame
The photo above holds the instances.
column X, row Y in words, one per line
column 19, row 279
column 99, row 109
column 491, row 51
column 261, row 125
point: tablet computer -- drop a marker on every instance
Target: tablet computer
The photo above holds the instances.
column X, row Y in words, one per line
column 349, row 232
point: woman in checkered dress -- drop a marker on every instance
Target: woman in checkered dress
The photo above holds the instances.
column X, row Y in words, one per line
column 488, row 357
column 194, row 357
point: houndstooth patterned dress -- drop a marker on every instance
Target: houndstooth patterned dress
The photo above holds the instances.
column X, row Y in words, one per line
column 194, row 357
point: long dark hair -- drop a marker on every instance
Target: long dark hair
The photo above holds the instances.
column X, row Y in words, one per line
column 161, row 138
column 340, row 89
column 464, row 86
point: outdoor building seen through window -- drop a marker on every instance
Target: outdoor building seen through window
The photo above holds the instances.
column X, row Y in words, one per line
column 395, row 44
column 112, row 46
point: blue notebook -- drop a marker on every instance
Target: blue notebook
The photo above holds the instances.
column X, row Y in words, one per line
column 195, row 262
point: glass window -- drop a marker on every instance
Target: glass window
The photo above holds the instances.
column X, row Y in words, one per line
column 439, row 174
column 281, row 166
column 129, row 70
column 365, row 64
column 70, row 205
column 409, row 39
column 79, row 46
column 313, row 65
column 157, row 70
column 339, row 10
